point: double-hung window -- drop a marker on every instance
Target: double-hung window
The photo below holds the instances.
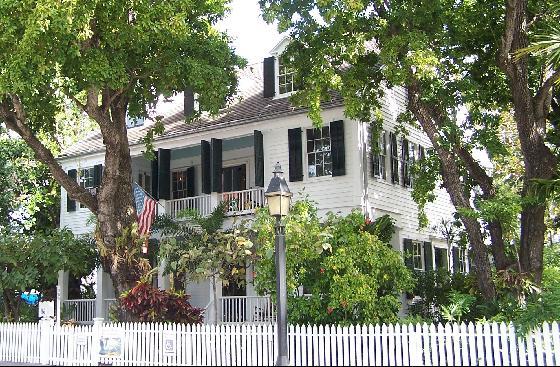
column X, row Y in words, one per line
column 378, row 156
column 145, row 182
column 462, row 260
column 319, row 160
column 417, row 258
column 87, row 181
column 179, row 184
column 285, row 77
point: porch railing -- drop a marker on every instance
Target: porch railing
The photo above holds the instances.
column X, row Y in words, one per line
column 246, row 309
column 244, row 202
column 200, row 203
column 80, row 310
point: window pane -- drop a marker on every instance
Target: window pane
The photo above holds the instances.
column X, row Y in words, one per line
column 310, row 134
column 326, row 132
column 326, row 144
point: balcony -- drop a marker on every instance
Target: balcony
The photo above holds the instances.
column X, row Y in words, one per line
column 244, row 202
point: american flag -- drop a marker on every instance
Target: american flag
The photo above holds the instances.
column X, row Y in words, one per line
column 145, row 209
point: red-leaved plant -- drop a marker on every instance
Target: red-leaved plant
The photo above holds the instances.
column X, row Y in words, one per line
column 145, row 303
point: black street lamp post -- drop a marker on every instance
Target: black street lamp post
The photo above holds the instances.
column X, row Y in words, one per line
column 279, row 196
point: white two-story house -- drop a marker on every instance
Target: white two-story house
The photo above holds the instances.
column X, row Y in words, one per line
column 232, row 156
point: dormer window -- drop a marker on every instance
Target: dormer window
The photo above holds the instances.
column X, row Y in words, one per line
column 285, row 77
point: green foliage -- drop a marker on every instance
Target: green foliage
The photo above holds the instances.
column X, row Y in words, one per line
column 441, row 295
column 142, row 49
column 383, row 228
column 196, row 247
column 144, row 303
column 33, row 261
column 350, row 276
column 460, row 305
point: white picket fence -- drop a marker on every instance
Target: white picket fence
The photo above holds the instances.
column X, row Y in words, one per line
column 236, row 345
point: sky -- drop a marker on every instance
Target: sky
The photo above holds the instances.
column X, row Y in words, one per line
column 252, row 37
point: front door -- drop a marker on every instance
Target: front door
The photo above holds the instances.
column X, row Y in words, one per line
column 234, row 301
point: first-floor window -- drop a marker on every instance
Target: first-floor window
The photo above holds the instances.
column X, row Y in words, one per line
column 87, row 181
column 319, row 161
column 179, row 184
column 417, row 258
column 462, row 260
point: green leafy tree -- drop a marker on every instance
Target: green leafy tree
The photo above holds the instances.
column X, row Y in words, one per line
column 196, row 248
column 448, row 55
column 348, row 275
column 30, row 261
column 110, row 59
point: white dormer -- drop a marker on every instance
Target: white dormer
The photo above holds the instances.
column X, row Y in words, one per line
column 278, row 78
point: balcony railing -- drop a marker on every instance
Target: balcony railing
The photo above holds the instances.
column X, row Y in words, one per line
column 237, row 203
column 246, row 309
column 202, row 204
column 80, row 310
column 243, row 202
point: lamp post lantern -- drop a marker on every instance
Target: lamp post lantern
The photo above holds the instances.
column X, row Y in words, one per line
column 279, row 197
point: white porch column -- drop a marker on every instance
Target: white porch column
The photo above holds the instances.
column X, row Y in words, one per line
column 164, row 282
column 99, row 294
column 61, row 293
column 215, row 199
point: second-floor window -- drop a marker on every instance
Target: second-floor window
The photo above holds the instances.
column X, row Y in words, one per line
column 179, row 184
column 417, row 258
column 86, row 180
column 379, row 155
column 145, row 182
column 319, row 160
column 285, row 77
column 408, row 157
column 462, row 260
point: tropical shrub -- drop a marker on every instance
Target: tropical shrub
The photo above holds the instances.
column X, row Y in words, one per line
column 146, row 303
column 347, row 274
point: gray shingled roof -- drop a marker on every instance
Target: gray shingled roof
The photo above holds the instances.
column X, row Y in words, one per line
column 248, row 106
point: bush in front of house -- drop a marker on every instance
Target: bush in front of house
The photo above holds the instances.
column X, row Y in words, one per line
column 347, row 274
column 145, row 303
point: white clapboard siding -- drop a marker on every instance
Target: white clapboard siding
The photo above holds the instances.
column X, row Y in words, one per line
column 144, row 344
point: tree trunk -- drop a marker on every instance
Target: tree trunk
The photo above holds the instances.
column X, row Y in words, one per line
column 452, row 182
column 116, row 215
column 530, row 113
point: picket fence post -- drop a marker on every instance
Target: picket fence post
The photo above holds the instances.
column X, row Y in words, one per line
column 96, row 336
column 46, row 327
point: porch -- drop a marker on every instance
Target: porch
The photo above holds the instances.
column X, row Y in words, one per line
column 230, row 310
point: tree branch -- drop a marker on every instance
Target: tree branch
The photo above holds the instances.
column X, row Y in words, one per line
column 544, row 93
column 15, row 120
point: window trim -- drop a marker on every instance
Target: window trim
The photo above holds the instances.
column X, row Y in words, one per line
column 80, row 178
column 176, row 170
column 306, row 153
column 420, row 245
column 277, row 93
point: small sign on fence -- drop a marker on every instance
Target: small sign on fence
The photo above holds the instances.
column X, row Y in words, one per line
column 81, row 340
column 110, row 346
column 169, row 345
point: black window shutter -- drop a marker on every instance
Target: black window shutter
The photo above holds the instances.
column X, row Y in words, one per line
column 216, row 153
column 71, row 204
column 154, row 165
column 428, row 256
column 404, row 167
column 259, row 158
column 268, row 77
column 190, row 182
column 295, row 152
column 337, row 148
column 97, row 175
column 394, row 159
column 456, row 262
column 421, row 152
column 408, row 261
column 164, row 174
column 206, row 174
